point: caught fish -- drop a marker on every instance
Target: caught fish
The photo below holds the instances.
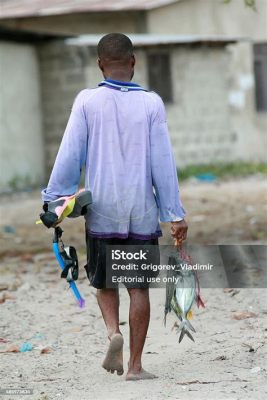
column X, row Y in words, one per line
column 182, row 301
column 181, row 293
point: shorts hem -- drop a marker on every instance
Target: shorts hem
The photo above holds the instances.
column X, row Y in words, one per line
column 110, row 235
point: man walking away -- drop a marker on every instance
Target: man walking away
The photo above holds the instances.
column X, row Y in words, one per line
column 118, row 131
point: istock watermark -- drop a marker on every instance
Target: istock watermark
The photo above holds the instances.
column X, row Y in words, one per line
column 217, row 266
column 123, row 255
column 16, row 391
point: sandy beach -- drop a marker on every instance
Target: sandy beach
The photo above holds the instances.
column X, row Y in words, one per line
column 227, row 361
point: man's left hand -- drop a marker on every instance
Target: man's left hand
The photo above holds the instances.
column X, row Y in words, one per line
column 179, row 230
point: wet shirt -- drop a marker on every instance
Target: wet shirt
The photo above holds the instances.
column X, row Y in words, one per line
column 118, row 131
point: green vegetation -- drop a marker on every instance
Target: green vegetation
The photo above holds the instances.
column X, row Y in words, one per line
column 19, row 182
column 238, row 169
column 249, row 3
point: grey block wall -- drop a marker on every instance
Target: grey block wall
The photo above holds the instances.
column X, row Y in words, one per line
column 199, row 118
column 21, row 148
column 62, row 77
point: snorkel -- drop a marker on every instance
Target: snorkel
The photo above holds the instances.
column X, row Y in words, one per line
column 55, row 211
column 60, row 252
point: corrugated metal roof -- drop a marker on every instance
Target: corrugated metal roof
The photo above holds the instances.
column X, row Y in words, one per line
column 153, row 39
column 39, row 8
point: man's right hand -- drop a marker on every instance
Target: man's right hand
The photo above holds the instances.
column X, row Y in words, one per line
column 179, row 230
column 45, row 206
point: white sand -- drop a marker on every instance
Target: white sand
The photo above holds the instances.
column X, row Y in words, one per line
column 219, row 362
column 78, row 339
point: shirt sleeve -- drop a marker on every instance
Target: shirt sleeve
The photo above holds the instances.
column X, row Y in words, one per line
column 164, row 172
column 71, row 157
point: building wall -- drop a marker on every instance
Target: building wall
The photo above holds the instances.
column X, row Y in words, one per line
column 210, row 17
column 62, row 72
column 21, row 150
column 213, row 118
column 65, row 70
column 247, row 124
column 199, row 118
column 206, row 17
column 75, row 24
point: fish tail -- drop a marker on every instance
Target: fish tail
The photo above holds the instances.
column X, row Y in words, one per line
column 181, row 335
column 189, row 325
column 185, row 328
column 166, row 311
column 185, row 331
column 164, row 319
column 186, row 324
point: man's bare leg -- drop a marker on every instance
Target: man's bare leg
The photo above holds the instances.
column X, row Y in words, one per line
column 108, row 301
column 139, row 316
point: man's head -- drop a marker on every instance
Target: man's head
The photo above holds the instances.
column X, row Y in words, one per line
column 115, row 56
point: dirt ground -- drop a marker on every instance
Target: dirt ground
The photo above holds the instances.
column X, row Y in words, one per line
column 228, row 359
column 233, row 211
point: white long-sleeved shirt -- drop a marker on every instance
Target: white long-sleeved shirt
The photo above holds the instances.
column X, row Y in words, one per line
column 119, row 132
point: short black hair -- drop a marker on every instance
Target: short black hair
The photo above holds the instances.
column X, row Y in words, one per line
column 115, row 46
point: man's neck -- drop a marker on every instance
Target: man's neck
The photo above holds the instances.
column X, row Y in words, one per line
column 118, row 76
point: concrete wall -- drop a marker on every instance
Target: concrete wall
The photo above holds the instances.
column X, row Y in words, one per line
column 210, row 17
column 184, row 17
column 199, row 118
column 204, row 17
column 213, row 117
column 65, row 70
column 62, row 71
column 21, row 149
column 71, row 24
column 248, row 125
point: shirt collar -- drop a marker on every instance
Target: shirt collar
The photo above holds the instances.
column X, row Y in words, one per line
column 119, row 85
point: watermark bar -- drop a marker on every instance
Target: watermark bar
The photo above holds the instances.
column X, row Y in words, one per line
column 15, row 391
column 217, row 266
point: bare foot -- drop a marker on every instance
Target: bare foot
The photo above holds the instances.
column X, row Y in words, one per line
column 114, row 358
column 140, row 375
